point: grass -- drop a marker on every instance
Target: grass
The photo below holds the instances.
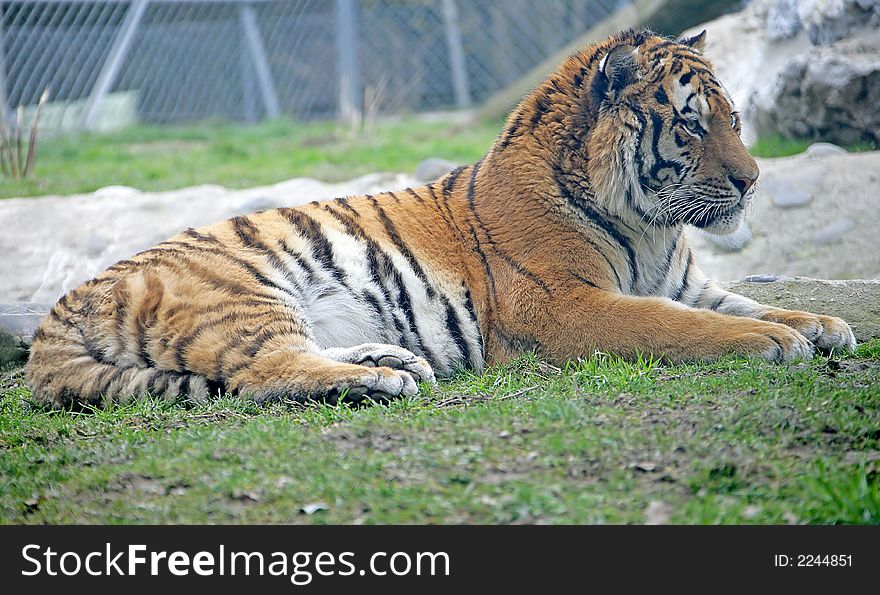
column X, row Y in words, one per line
column 600, row 441
column 780, row 146
column 238, row 156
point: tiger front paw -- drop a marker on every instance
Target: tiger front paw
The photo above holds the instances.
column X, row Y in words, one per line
column 773, row 342
column 827, row 333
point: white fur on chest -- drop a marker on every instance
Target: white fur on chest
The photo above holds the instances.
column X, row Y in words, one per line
column 338, row 319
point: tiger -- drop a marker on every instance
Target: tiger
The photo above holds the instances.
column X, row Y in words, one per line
column 566, row 238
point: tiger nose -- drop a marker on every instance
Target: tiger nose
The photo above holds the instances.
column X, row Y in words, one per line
column 742, row 183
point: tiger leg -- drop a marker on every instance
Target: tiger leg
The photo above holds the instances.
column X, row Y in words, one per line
column 628, row 325
column 827, row 333
column 331, row 375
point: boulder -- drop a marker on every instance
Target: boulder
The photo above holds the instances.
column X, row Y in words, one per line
column 829, row 93
column 52, row 244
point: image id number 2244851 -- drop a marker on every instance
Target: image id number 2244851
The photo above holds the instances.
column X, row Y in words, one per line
column 802, row 560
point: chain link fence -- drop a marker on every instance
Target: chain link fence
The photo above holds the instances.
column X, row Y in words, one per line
column 108, row 63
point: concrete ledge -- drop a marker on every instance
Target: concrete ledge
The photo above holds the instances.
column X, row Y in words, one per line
column 856, row 301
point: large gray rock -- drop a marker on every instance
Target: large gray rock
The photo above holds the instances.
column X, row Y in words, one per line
column 857, row 302
column 52, row 244
column 829, row 93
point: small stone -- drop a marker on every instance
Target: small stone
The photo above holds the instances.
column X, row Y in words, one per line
column 824, row 150
column 432, row 168
column 784, row 195
column 732, row 242
column 313, row 508
column 751, row 512
column 760, row 279
column 834, row 231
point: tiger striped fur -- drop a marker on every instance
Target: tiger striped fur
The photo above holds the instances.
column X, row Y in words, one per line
column 565, row 238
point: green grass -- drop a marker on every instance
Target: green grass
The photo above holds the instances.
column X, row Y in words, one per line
column 238, row 156
column 599, row 441
column 780, row 146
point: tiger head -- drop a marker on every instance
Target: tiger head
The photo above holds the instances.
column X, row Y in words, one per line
column 656, row 132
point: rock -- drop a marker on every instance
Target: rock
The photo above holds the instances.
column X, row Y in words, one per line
column 785, row 194
column 857, row 302
column 658, row 513
column 828, row 93
column 820, row 149
column 432, row 168
column 52, row 244
column 752, row 47
column 765, row 278
column 827, row 21
column 834, row 231
column 732, row 242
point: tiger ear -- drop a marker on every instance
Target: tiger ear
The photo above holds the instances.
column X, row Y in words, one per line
column 698, row 41
column 617, row 70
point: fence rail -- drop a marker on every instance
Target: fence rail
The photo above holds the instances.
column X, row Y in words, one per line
column 108, row 63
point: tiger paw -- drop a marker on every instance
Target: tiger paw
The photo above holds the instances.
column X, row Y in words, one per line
column 827, row 333
column 380, row 385
column 374, row 355
column 773, row 342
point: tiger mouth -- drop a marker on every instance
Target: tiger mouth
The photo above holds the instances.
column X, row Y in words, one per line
column 710, row 217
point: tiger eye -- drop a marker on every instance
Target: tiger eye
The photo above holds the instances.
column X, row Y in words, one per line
column 693, row 126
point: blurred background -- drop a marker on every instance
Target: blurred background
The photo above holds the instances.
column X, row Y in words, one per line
column 112, row 63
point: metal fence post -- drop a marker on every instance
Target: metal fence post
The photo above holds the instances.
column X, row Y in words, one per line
column 114, row 61
column 258, row 59
column 4, row 97
column 460, row 83
column 350, row 94
column 248, row 101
